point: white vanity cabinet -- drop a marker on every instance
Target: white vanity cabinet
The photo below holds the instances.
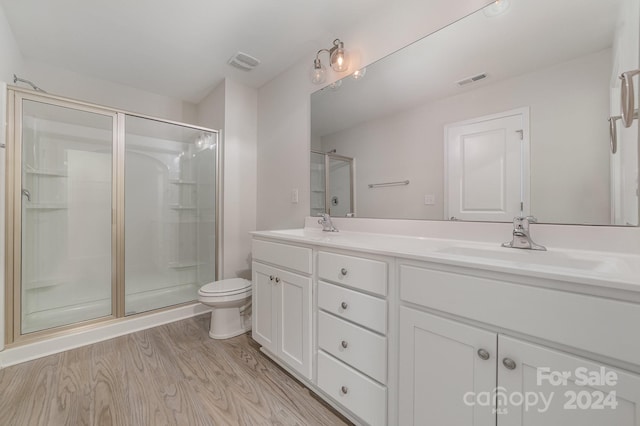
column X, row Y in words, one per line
column 282, row 303
column 440, row 361
column 451, row 372
column 351, row 336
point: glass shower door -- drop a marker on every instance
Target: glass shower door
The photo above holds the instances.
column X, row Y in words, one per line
column 170, row 213
column 66, row 193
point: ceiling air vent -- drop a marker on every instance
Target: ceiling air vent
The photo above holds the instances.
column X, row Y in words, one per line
column 243, row 61
column 472, row 79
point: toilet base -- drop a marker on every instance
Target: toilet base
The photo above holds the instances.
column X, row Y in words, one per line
column 229, row 322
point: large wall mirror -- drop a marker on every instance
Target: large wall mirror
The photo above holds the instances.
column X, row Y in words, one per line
column 503, row 113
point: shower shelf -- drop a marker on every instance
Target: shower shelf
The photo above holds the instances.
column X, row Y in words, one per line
column 46, row 207
column 181, row 207
column 36, row 285
column 46, row 172
column 182, row 182
column 184, row 265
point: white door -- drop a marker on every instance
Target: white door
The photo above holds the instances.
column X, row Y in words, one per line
column 487, row 167
column 294, row 320
column 263, row 317
column 535, row 373
column 444, row 367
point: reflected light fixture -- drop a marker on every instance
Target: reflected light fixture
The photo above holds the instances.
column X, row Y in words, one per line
column 338, row 59
column 358, row 74
column 498, row 7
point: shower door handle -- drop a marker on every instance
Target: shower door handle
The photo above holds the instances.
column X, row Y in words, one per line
column 26, row 193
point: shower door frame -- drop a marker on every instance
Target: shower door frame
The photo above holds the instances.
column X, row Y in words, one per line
column 13, row 212
column 327, row 179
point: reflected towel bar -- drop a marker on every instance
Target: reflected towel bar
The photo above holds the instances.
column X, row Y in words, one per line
column 377, row 185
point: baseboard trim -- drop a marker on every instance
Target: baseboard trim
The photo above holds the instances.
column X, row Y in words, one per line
column 74, row 339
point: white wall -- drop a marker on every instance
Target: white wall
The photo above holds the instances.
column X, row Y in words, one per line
column 283, row 103
column 70, row 84
column 10, row 56
column 232, row 108
column 409, row 144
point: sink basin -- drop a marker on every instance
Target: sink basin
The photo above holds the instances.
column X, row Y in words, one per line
column 549, row 259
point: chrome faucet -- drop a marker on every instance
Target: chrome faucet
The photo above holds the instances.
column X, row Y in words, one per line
column 326, row 223
column 521, row 238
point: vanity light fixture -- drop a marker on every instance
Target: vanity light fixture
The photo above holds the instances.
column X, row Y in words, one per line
column 498, row 7
column 338, row 59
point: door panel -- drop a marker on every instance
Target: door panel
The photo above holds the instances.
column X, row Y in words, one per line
column 570, row 403
column 294, row 292
column 440, row 369
column 65, row 193
column 263, row 316
column 486, row 167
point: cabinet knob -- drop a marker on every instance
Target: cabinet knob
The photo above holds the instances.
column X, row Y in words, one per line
column 483, row 354
column 509, row 364
column 344, row 344
column 344, row 305
column 271, row 277
column 344, row 390
column 277, row 279
column 344, row 272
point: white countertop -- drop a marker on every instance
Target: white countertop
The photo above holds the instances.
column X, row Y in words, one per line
column 594, row 268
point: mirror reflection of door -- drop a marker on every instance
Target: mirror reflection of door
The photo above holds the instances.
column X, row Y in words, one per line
column 487, row 167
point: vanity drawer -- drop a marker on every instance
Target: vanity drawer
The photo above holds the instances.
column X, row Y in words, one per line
column 357, row 272
column 365, row 350
column 358, row 393
column 360, row 308
column 292, row 257
column 594, row 324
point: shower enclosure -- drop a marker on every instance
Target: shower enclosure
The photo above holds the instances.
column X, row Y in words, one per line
column 108, row 213
column 332, row 184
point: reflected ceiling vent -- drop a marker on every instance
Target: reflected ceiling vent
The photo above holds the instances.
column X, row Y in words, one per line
column 472, row 79
column 243, row 61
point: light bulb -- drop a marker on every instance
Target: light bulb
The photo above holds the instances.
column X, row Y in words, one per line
column 339, row 59
column 318, row 72
column 358, row 74
column 498, row 7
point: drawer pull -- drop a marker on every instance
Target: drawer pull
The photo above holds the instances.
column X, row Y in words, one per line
column 344, row 305
column 344, row 272
column 271, row 277
column 344, row 344
column 344, row 390
column 483, row 354
column 277, row 279
column 509, row 364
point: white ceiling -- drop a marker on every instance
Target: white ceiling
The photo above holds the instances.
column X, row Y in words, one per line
column 178, row 48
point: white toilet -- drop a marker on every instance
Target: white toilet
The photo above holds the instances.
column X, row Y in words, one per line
column 230, row 301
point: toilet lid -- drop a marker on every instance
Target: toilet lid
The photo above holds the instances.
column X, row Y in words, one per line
column 232, row 285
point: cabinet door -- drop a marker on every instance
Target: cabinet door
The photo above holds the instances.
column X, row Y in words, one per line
column 294, row 320
column 441, row 371
column 536, row 374
column 263, row 316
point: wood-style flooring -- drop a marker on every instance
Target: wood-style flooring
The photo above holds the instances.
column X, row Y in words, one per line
column 173, row 374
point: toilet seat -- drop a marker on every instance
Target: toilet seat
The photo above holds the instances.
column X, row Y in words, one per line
column 228, row 287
